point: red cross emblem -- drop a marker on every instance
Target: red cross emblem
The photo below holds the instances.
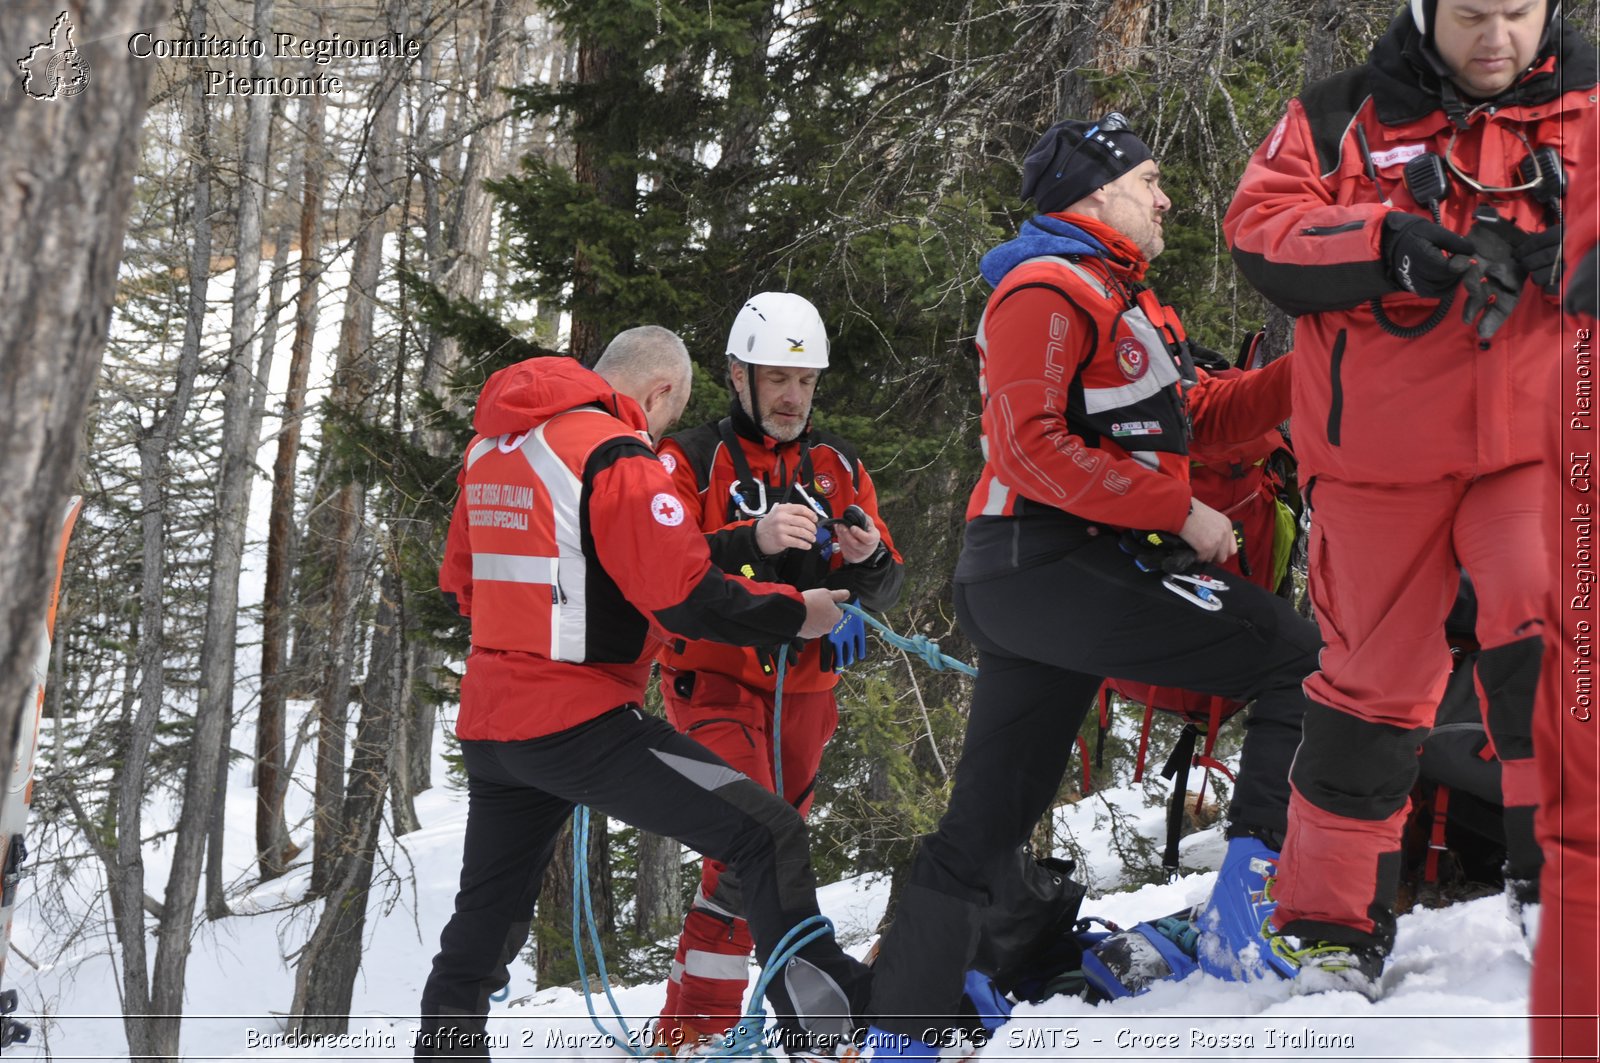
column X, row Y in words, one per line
column 666, row 510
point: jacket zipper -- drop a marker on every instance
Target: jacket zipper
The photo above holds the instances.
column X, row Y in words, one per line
column 1336, row 404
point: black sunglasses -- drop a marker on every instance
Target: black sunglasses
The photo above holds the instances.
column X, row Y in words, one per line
column 1115, row 122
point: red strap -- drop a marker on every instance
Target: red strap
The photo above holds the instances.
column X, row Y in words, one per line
column 1436, row 845
column 1144, row 743
column 1208, row 763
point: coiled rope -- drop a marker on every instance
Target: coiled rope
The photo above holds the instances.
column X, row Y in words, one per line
column 748, row 1037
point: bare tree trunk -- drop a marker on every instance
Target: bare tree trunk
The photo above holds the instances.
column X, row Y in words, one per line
column 273, row 847
column 66, row 175
column 354, row 378
column 554, row 963
column 1322, row 42
column 272, row 840
column 233, row 481
column 65, row 182
column 615, row 185
column 658, row 905
column 326, row 972
column 459, row 267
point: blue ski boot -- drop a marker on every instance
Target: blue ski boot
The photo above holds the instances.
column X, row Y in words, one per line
column 993, row 1007
column 1233, row 923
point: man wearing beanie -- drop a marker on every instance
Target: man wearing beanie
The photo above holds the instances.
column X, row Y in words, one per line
column 1411, row 213
column 1086, row 554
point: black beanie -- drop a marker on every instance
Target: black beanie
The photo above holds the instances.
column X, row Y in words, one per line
column 1074, row 158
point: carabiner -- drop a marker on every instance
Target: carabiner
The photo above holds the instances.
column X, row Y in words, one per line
column 813, row 503
column 738, row 498
column 1205, row 590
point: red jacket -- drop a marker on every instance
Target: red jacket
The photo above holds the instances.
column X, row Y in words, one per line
column 828, row 470
column 1305, row 227
column 567, row 540
column 1085, row 411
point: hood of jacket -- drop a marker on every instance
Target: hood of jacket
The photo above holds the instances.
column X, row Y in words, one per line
column 1063, row 234
column 1409, row 81
column 529, row 393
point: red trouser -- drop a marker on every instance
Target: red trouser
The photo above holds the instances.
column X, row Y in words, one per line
column 1566, row 960
column 1383, row 570
column 710, row 970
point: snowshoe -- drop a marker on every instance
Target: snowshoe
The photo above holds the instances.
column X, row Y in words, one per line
column 1330, row 967
column 1234, row 932
column 1129, row 961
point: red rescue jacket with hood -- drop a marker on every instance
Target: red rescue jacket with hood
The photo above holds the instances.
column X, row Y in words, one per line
column 1306, row 225
column 567, row 540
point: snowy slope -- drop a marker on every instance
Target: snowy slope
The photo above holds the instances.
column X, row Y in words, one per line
column 1456, row 988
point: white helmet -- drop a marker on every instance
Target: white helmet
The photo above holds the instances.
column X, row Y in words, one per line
column 779, row 328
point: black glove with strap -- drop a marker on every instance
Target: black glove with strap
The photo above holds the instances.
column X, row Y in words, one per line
column 1539, row 254
column 1424, row 258
column 1494, row 280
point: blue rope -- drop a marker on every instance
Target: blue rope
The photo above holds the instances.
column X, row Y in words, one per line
column 746, row 1039
column 919, row 646
column 777, row 722
column 580, row 889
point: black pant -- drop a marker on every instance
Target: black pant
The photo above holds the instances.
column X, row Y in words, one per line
column 635, row 768
column 1047, row 636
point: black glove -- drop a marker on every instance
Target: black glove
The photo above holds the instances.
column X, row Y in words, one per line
column 1416, row 252
column 1493, row 281
column 1583, row 293
column 1539, row 255
column 1156, row 551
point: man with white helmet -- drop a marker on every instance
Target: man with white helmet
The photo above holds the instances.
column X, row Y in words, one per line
column 777, row 500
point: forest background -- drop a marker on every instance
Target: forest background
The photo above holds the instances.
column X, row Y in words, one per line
column 536, row 177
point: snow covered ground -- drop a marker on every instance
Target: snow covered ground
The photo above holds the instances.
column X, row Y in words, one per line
column 1456, row 988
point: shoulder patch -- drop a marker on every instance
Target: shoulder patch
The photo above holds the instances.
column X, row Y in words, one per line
column 666, row 509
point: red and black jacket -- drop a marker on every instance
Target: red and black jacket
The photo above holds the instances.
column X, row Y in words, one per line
column 567, row 543
column 1090, row 405
column 1306, row 228
column 708, row 463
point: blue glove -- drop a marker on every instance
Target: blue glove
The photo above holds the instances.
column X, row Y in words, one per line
column 846, row 643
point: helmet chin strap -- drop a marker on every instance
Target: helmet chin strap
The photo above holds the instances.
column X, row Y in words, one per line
column 755, row 401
